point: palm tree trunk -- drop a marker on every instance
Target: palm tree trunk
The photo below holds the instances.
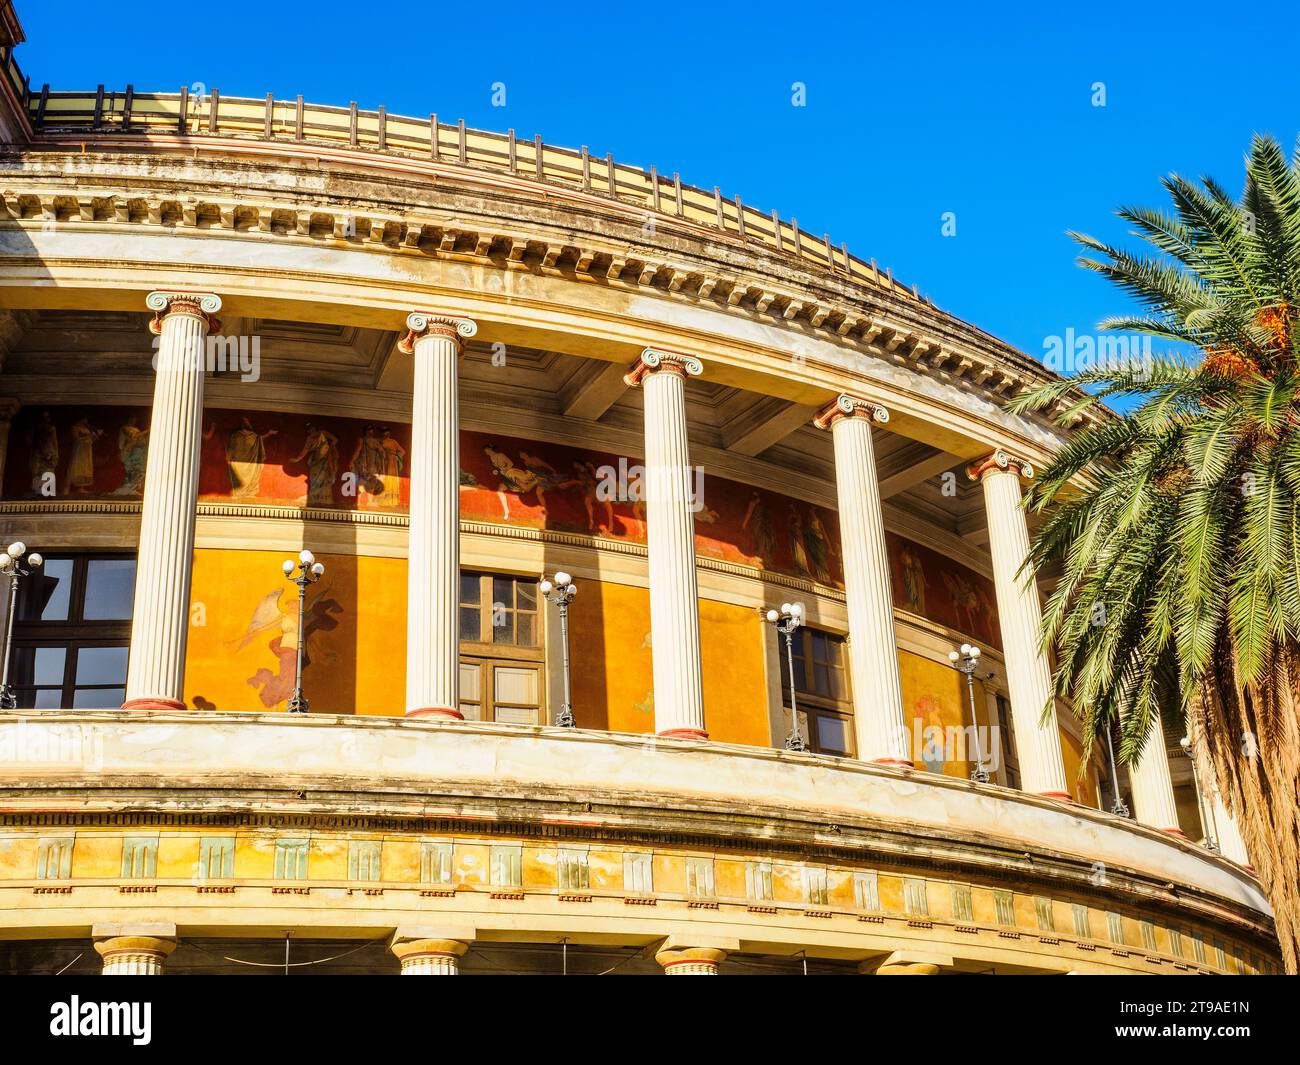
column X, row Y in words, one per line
column 1248, row 742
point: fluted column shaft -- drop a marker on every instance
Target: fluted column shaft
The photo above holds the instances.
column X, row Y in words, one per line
column 430, row 957
column 155, row 674
column 1153, row 789
column 670, row 522
column 1225, row 830
column 878, row 719
column 433, row 567
column 1029, row 678
column 134, row 955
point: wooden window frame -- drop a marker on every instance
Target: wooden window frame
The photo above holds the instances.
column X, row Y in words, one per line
column 813, row 704
column 73, row 633
column 487, row 655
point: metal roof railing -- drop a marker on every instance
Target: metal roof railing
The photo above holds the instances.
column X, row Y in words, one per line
column 207, row 113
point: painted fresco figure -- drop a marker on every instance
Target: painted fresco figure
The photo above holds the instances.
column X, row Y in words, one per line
column 81, row 463
column 321, row 452
column 818, row 545
column 519, row 481
column 271, row 616
column 246, row 458
column 913, row 580
column 133, row 447
column 757, row 523
column 589, row 479
column 390, row 476
column 44, row 454
column 367, row 463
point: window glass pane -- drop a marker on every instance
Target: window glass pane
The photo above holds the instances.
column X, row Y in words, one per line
column 821, row 680
column 98, row 698
column 503, row 592
column 800, row 675
column 503, row 626
column 515, row 685
column 516, row 715
column 469, row 588
column 832, row 734
column 101, row 665
column 110, row 587
column 527, row 635
column 469, row 623
column 469, row 681
column 39, row 665
column 47, row 592
column 527, row 595
column 818, row 646
column 49, row 699
column 837, row 684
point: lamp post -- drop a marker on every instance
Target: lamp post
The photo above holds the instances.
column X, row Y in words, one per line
column 1119, row 807
column 309, row 573
column 787, row 621
column 561, row 591
column 1209, row 843
column 11, row 565
column 966, row 661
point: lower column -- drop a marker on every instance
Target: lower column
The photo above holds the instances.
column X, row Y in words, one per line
column 134, row 955
column 1228, row 836
column 1020, row 617
column 430, row 957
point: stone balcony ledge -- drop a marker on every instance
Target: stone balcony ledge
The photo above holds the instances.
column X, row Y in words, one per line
column 321, row 764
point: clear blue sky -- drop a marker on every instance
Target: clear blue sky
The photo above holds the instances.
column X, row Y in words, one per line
column 912, row 110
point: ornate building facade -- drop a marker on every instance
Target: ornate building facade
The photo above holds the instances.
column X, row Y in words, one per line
column 451, row 363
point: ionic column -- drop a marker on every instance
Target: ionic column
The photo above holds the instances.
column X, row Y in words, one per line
column 433, row 569
column 1226, row 833
column 878, row 719
column 1153, row 790
column 670, row 523
column 155, row 673
column 1029, row 680
column 134, row 955
column 430, row 957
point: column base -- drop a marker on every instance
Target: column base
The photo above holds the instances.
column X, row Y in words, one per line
column 446, row 713
column 1059, row 796
column 154, row 704
column 1175, row 832
column 683, row 734
column 901, row 762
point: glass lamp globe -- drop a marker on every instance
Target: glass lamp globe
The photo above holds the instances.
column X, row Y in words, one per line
column 17, row 549
column 287, row 567
column 306, row 556
column 36, row 560
column 773, row 616
column 317, row 568
column 546, row 587
column 563, row 579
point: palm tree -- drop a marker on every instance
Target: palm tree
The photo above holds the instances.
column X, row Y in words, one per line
column 1176, row 528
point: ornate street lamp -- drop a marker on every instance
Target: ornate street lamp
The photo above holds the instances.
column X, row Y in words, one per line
column 310, row 573
column 787, row 621
column 1209, row 842
column 966, row 661
column 12, row 566
column 561, row 591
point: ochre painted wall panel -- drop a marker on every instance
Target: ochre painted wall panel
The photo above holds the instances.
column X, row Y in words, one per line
column 735, row 688
column 244, row 631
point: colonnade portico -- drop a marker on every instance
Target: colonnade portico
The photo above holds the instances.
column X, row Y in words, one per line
column 434, row 341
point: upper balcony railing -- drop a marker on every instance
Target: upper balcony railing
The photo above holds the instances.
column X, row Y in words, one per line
column 208, row 113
